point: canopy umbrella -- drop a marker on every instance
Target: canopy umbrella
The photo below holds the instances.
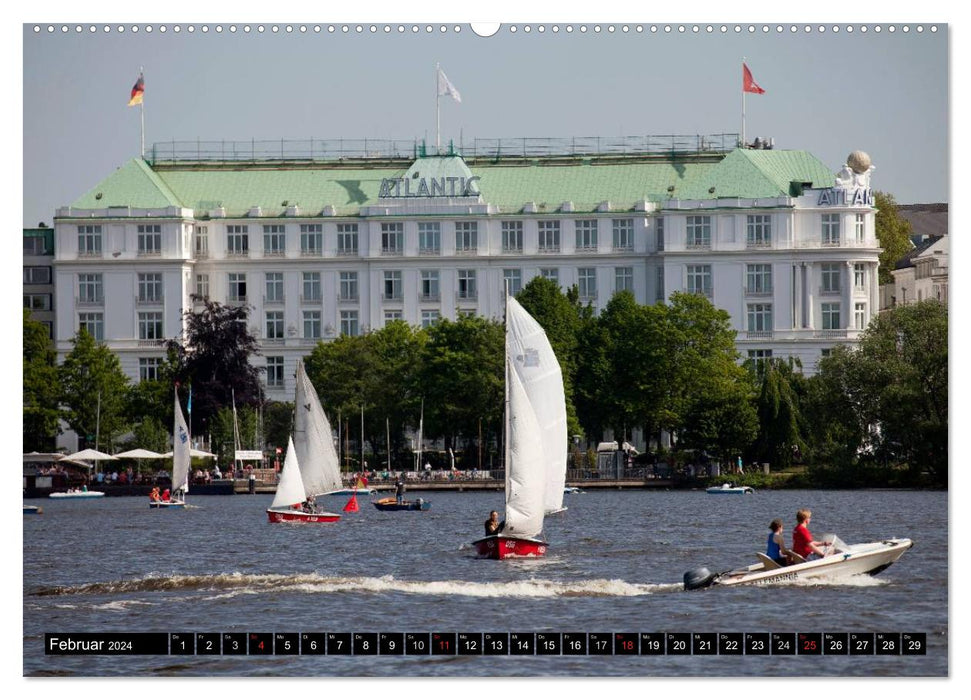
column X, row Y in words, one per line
column 43, row 456
column 192, row 453
column 139, row 454
column 90, row 454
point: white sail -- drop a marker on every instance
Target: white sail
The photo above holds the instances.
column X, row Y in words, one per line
column 525, row 464
column 290, row 490
column 181, row 450
column 313, row 440
column 533, row 359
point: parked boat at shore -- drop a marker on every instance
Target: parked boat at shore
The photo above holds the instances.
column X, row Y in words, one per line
column 731, row 490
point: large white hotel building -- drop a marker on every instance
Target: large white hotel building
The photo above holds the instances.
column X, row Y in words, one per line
column 324, row 238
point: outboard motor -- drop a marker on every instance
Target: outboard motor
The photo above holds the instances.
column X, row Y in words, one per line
column 698, row 578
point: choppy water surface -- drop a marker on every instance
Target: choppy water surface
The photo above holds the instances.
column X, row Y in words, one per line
column 615, row 565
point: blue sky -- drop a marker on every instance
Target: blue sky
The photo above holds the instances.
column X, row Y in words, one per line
column 826, row 92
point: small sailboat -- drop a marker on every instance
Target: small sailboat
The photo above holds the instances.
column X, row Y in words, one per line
column 535, row 473
column 314, row 458
column 181, row 461
column 292, row 503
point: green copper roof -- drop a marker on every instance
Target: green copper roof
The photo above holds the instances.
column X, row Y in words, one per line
column 624, row 183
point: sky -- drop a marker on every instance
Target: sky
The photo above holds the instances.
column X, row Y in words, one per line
column 826, row 92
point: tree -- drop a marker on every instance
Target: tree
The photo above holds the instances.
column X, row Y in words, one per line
column 893, row 232
column 724, row 423
column 93, row 392
column 779, row 415
column 41, row 388
column 214, row 357
column 277, row 422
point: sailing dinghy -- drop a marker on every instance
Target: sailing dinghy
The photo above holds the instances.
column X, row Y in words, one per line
column 181, row 461
column 535, row 472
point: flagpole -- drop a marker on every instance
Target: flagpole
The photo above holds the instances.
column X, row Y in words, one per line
column 743, row 104
column 141, row 73
column 438, row 121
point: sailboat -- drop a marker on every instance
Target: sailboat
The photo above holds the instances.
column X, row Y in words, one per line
column 314, row 459
column 181, row 461
column 534, row 397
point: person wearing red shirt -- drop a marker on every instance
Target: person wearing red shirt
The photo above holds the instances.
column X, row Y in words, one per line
column 802, row 540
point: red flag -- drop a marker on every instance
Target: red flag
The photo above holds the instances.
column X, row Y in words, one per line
column 137, row 91
column 352, row 506
column 748, row 83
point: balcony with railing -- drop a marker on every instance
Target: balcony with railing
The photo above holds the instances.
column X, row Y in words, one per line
column 143, row 300
column 758, row 291
column 828, row 291
column 273, row 300
column 89, row 302
column 466, row 295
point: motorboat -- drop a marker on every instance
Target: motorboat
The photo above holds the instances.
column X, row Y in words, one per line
column 365, row 491
column 391, row 503
column 571, row 489
column 77, row 493
column 841, row 560
column 730, row 489
column 33, row 510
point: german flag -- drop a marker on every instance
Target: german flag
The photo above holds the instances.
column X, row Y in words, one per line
column 137, row 91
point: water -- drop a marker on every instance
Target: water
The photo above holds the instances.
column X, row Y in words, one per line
column 615, row 565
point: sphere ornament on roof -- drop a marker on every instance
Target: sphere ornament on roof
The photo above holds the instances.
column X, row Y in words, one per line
column 856, row 172
column 859, row 162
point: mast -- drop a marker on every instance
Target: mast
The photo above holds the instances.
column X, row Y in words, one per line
column 505, row 418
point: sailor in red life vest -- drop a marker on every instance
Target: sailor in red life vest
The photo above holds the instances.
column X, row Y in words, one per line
column 153, row 495
column 802, row 539
column 166, row 496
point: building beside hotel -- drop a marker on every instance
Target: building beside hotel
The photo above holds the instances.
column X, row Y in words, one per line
column 325, row 238
column 39, row 275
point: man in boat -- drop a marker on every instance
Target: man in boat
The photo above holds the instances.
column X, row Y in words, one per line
column 166, row 495
column 492, row 525
column 399, row 490
column 802, row 540
column 776, row 546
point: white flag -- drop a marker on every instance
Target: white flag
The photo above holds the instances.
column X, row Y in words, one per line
column 446, row 88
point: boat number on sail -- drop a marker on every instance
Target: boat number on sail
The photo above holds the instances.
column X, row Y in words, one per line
column 529, row 358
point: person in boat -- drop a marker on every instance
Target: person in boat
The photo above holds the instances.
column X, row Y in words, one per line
column 802, row 540
column 776, row 546
column 399, row 491
column 153, row 494
column 166, row 495
column 493, row 526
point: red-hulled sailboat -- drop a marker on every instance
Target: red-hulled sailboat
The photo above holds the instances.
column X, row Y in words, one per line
column 535, row 437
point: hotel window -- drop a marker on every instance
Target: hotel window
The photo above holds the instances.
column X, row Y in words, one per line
column 150, row 325
column 587, row 282
column 94, row 324
column 831, row 316
column 202, row 242
column 466, row 279
column 274, row 240
column 274, row 287
column 149, row 239
column 392, row 315
column 429, row 238
column 348, row 282
column 148, row 368
column 623, row 279
column 659, row 233
column 347, row 239
column 37, row 275
column 859, row 226
column 759, row 318
column 759, row 357
column 831, row 229
column 699, row 232
column 237, row 240
column 429, row 318
column 237, row 286
column 514, row 280
column 758, row 279
column 549, row 236
column 392, row 239
column 90, row 289
column 466, row 236
column 202, row 286
column 831, row 278
column 274, row 372
column 623, row 234
column 759, row 231
column 659, row 283
column 859, row 275
column 349, row 324
column 274, row 325
column 312, row 239
column 311, row 286
column 392, row 284
column 35, row 245
column 150, row 287
column 512, row 236
column 859, row 315
column 37, row 302
column 586, row 234
column 429, row 285
column 311, row 324
column 699, row 280
column 89, row 241
column 550, row 273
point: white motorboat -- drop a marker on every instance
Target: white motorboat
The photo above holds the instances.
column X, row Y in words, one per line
column 77, row 493
column 730, row 489
column 841, row 560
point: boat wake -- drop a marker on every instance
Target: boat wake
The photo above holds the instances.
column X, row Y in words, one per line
column 235, row 584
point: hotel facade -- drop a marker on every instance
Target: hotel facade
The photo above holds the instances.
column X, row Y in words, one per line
column 330, row 241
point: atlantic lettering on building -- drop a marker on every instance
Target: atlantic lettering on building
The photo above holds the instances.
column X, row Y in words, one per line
column 429, row 187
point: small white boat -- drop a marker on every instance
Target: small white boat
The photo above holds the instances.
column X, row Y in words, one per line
column 729, row 489
column 841, row 560
column 571, row 489
column 33, row 510
column 77, row 493
column 366, row 491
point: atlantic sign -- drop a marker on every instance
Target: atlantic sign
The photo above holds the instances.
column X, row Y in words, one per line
column 835, row 196
column 392, row 187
